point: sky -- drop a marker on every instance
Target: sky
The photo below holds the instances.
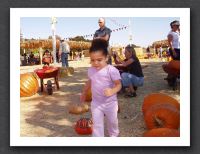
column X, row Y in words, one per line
column 144, row 30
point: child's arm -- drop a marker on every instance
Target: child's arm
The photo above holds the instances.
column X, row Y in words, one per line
column 86, row 87
column 114, row 90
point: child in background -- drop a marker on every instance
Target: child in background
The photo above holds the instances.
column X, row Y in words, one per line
column 105, row 82
column 47, row 58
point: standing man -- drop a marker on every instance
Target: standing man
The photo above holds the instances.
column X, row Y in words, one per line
column 63, row 52
column 161, row 50
column 148, row 52
column 103, row 33
column 173, row 40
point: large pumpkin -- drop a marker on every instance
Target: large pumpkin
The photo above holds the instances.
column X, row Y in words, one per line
column 88, row 97
column 84, row 126
column 160, row 98
column 28, row 84
column 162, row 116
column 173, row 67
column 162, row 132
column 174, row 64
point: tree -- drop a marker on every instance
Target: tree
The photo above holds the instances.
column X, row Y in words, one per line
column 79, row 38
column 57, row 37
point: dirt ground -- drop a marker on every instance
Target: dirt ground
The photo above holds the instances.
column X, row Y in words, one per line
column 44, row 115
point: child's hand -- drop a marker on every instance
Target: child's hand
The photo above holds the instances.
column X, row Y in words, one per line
column 82, row 98
column 108, row 92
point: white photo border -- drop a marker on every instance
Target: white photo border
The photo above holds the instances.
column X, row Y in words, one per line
column 17, row 13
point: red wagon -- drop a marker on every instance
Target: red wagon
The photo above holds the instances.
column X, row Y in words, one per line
column 48, row 72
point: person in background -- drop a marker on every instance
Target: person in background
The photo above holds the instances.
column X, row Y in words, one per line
column 47, row 58
column 133, row 77
column 32, row 58
column 156, row 52
column 173, row 40
column 104, row 81
column 103, row 33
column 64, row 50
column 57, row 56
column 83, row 56
column 70, row 55
column 148, row 52
column 160, row 53
column 80, row 55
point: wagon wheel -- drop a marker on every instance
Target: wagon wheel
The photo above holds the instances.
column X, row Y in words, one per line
column 49, row 87
column 171, row 80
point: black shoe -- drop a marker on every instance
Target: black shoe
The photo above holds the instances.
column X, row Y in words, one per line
column 131, row 95
column 49, row 87
column 135, row 88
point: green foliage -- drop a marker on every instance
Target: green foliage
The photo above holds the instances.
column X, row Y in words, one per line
column 80, row 38
column 35, row 51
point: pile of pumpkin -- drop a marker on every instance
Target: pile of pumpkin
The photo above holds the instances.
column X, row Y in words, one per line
column 84, row 125
column 162, row 115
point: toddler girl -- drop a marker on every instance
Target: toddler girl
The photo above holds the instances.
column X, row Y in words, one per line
column 105, row 82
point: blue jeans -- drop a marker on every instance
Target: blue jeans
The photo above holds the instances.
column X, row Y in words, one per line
column 64, row 59
column 128, row 79
column 177, row 54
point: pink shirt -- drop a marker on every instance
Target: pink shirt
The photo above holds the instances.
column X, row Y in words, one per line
column 100, row 80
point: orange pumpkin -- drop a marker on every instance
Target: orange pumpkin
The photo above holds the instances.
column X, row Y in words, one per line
column 173, row 67
column 84, row 126
column 28, row 84
column 88, row 97
column 85, row 107
column 162, row 116
column 162, row 132
column 155, row 98
column 174, row 64
column 79, row 109
column 75, row 109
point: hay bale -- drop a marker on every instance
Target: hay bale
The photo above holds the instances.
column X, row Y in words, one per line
column 65, row 71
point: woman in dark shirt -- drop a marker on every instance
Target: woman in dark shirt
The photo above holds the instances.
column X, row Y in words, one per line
column 133, row 77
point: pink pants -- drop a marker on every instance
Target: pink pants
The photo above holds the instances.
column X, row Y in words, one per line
column 110, row 112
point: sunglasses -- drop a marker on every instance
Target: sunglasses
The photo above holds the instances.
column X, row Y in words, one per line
column 100, row 22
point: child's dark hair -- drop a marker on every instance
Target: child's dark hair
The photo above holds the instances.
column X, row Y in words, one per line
column 46, row 51
column 99, row 45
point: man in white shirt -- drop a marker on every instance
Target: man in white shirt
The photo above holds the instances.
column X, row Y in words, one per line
column 173, row 40
column 63, row 52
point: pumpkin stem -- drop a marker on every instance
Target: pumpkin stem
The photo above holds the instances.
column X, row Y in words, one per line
column 158, row 122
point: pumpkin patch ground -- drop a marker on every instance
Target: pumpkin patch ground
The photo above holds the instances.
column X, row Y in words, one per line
column 43, row 115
